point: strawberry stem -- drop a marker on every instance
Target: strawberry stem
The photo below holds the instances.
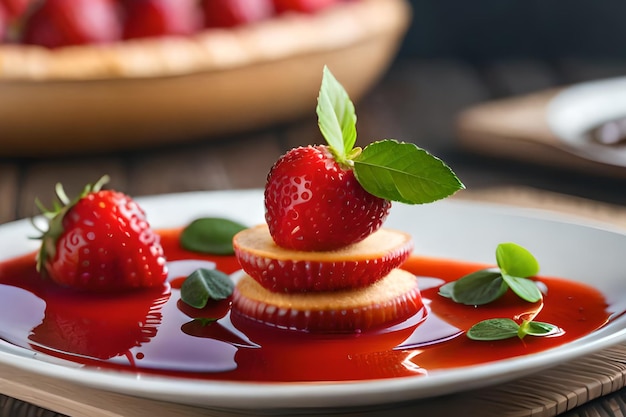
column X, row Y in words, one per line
column 336, row 119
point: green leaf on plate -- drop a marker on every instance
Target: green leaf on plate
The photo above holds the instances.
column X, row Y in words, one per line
column 336, row 117
column 478, row 288
column 485, row 286
column 505, row 328
column 538, row 328
column 204, row 285
column 525, row 288
column 493, row 329
column 403, row 172
column 212, row 235
column 516, row 260
column 446, row 290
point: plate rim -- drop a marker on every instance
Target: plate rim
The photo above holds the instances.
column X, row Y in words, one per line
column 196, row 392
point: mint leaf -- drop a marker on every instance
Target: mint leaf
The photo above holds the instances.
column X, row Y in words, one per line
column 493, row 329
column 403, row 172
column 516, row 260
column 485, row 286
column 538, row 328
column 478, row 288
column 504, row 328
column 204, row 285
column 336, row 117
column 446, row 290
column 212, row 235
column 525, row 288
column 515, row 264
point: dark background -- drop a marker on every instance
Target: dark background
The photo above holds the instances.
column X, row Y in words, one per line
column 485, row 30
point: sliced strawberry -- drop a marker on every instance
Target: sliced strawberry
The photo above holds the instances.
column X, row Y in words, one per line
column 59, row 23
column 283, row 270
column 390, row 300
column 146, row 18
column 101, row 242
column 229, row 13
column 314, row 204
column 302, row 6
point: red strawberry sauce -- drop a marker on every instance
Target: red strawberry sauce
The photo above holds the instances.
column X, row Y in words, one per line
column 152, row 332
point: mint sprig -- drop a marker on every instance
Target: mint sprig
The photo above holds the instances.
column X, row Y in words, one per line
column 515, row 265
column 503, row 328
column 388, row 169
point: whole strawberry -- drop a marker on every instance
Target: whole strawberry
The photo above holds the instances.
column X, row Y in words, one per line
column 101, row 241
column 321, row 198
column 230, row 13
column 147, row 18
column 57, row 23
column 315, row 204
column 302, row 6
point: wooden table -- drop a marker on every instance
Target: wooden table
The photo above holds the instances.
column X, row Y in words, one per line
column 418, row 101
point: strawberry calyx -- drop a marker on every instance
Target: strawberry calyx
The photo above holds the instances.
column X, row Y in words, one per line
column 55, row 216
column 346, row 161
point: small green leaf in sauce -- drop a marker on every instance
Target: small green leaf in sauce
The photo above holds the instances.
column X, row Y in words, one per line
column 477, row 288
column 204, row 285
column 515, row 265
column 504, row 328
column 516, row 260
column 211, row 235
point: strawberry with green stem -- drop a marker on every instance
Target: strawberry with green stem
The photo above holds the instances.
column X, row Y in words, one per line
column 323, row 263
column 100, row 241
column 324, row 197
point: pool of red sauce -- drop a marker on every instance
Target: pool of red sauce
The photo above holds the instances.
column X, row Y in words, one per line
column 153, row 332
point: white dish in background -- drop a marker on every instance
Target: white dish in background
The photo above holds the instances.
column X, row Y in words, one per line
column 454, row 229
column 578, row 109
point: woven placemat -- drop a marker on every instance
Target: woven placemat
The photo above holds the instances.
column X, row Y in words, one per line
column 591, row 386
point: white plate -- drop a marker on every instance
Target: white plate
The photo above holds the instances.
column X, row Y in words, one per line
column 460, row 230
